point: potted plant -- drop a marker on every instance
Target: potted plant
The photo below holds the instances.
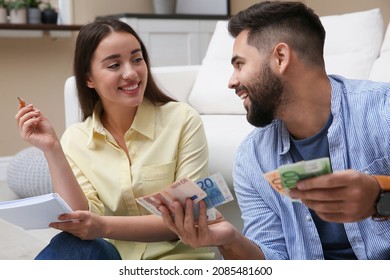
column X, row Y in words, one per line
column 33, row 12
column 3, row 11
column 164, row 6
column 17, row 11
column 49, row 14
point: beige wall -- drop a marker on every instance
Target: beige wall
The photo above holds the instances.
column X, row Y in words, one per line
column 329, row 7
column 36, row 68
column 86, row 10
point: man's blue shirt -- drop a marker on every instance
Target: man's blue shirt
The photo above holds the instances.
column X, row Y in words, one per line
column 359, row 139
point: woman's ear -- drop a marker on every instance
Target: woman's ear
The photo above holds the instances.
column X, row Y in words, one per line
column 90, row 83
column 282, row 57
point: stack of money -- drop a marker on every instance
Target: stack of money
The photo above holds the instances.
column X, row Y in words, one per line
column 212, row 189
column 287, row 176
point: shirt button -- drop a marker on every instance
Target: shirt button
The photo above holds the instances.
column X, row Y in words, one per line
column 308, row 218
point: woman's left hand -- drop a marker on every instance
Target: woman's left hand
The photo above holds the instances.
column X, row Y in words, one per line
column 83, row 224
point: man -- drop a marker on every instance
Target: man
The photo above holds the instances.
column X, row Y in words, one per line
column 301, row 114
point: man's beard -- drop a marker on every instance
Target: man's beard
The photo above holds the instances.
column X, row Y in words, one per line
column 265, row 94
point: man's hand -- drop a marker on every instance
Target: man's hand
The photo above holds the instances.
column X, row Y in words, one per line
column 344, row 196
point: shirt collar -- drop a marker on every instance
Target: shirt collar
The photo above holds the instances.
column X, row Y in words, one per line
column 144, row 122
column 336, row 91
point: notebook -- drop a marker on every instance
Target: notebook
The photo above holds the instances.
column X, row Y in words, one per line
column 35, row 212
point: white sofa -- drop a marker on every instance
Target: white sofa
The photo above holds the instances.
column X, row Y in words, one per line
column 356, row 47
column 353, row 48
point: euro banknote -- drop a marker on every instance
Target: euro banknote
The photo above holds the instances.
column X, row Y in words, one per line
column 216, row 189
column 212, row 189
column 287, row 176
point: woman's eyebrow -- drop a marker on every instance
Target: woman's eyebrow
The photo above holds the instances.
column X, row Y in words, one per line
column 113, row 56
column 136, row 50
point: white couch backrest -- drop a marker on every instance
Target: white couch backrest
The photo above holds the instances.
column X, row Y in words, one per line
column 353, row 42
column 210, row 93
column 72, row 107
column 381, row 69
column 353, row 48
column 166, row 77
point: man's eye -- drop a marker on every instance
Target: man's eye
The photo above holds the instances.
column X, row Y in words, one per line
column 238, row 65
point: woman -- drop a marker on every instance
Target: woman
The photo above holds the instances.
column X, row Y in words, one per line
column 134, row 141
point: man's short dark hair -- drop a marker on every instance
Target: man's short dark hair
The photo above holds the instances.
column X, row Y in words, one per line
column 293, row 23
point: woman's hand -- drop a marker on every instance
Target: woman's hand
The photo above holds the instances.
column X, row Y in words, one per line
column 198, row 233
column 35, row 128
column 83, row 224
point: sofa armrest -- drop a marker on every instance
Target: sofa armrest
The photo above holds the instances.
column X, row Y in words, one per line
column 176, row 81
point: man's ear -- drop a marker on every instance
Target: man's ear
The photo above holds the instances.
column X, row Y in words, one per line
column 281, row 57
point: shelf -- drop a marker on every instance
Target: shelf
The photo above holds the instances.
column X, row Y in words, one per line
column 168, row 16
column 10, row 30
column 39, row 27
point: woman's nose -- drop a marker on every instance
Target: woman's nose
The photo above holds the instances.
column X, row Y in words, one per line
column 128, row 72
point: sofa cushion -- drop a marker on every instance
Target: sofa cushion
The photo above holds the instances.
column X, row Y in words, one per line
column 28, row 173
column 352, row 44
column 210, row 93
column 224, row 134
column 380, row 70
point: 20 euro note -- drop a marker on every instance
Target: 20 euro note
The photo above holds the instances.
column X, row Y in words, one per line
column 212, row 189
column 217, row 190
column 287, row 176
column 218, row 193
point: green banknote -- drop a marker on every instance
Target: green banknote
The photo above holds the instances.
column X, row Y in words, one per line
column 290, row 174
